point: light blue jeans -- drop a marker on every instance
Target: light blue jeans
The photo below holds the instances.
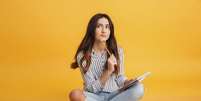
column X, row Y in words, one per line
column 133, row 93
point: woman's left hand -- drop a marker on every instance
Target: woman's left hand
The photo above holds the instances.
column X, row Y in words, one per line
column 128, row 82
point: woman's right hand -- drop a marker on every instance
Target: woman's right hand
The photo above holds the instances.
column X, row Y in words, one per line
column 111, row 63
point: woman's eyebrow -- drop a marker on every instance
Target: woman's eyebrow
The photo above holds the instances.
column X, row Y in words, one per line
column 99, row 24
column 103, row 24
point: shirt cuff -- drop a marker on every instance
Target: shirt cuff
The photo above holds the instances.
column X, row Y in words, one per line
column 120, row 80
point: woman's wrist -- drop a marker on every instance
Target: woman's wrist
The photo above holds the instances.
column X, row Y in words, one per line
column 107, row 71
column 105, row 76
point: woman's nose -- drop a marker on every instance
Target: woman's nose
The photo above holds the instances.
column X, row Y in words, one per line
column 103, row 30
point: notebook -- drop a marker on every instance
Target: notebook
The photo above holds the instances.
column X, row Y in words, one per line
column 138, row 79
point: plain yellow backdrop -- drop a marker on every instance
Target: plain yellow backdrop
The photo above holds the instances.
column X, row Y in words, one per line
column 38, row 40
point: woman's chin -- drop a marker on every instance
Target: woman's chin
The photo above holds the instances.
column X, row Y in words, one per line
column 102, row 40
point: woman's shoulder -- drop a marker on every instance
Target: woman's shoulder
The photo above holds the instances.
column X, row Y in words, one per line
column 80, row 54
column 120, row 48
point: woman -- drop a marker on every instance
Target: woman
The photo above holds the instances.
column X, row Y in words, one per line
column 101, row 64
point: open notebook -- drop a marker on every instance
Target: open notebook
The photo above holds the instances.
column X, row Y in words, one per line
column 138, row 79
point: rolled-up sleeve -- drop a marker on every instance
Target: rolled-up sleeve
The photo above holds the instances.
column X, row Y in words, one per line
column 121, row 77
column 91, row 84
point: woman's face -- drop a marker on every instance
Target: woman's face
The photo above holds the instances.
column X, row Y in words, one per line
column 102, row 32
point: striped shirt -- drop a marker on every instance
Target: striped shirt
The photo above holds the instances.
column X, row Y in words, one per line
column 92, row 77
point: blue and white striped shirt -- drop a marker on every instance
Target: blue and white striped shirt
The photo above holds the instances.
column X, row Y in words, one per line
column 91, row 77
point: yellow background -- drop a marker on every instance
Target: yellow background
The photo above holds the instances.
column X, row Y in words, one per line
column 38, row 40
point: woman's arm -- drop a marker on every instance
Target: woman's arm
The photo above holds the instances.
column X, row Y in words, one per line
column 108, row 72
column 93, row 84
column 104, row 77
column 121, row 78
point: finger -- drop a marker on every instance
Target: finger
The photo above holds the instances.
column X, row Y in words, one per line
column 112, row 56
column 114, row 59
column 131, row 80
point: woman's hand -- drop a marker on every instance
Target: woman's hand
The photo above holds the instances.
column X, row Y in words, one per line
column 128, row 82
column 111, row 63
column 110, row 69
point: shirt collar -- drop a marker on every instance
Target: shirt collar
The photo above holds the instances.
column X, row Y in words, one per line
column 96, row 54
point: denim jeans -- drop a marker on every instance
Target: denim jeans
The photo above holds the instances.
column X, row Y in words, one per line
column 133, row 93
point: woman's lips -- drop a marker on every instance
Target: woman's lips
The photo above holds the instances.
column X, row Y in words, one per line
column 103, row 35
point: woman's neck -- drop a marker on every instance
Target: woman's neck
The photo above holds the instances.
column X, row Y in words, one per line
column 99, row 46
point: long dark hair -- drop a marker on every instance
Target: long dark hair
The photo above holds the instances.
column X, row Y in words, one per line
column 88, row 41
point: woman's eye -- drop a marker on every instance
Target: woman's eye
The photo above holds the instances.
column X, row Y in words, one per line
column 107, row 26
column 98, row 26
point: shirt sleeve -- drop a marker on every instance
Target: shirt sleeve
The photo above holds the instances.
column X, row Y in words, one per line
column 91, row 84
column 121, row 77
